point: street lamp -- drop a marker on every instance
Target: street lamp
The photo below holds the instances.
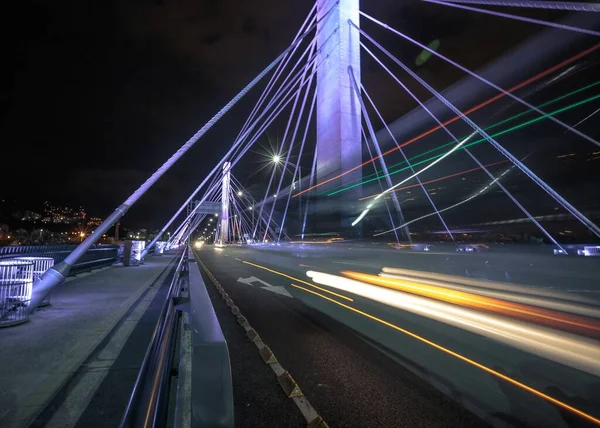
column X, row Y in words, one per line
column 276, row 158
column 240, row 193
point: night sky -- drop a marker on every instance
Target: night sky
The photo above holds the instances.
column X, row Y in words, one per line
column 96, row 94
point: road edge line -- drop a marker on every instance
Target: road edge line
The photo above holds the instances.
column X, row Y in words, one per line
column 289, row 386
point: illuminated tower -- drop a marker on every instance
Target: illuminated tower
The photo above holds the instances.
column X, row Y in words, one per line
column 225, row 194
column 338, row 109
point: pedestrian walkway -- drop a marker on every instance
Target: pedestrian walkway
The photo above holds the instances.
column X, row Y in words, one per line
column 38, row 358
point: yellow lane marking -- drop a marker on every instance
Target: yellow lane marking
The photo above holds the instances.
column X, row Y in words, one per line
column 341, row 296
column 461, row 357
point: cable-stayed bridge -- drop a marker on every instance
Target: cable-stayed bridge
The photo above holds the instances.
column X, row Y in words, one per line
column 369, row 276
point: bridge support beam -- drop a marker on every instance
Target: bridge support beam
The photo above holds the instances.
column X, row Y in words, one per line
column 338, row 109
column 225, row 195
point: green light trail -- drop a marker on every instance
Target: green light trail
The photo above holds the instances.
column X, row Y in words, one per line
column 372, row 177
column 498, row 134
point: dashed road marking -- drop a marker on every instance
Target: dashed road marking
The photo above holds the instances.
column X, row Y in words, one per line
column 287, row 383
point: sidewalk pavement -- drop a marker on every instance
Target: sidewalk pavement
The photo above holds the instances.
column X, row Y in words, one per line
column 38, row 357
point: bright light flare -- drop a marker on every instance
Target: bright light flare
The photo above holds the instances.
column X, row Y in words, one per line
column 276, row 159
column 199, row 244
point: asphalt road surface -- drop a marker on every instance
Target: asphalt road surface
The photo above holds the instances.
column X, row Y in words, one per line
column 349, row 382
column 362, row 368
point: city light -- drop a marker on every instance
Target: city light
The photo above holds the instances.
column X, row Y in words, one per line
column 239, row 193
column 276, row 159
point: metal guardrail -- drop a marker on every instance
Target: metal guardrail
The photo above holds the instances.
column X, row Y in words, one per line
column 96, row 257
column 208, row 392
column 147, row 406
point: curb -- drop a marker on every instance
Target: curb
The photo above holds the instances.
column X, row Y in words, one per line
column 285, row 380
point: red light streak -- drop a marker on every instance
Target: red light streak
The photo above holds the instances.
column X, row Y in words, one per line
column 456, row 174
column 454, row 119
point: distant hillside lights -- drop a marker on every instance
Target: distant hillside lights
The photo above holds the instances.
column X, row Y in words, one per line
column 94, row 221
column 66, row 215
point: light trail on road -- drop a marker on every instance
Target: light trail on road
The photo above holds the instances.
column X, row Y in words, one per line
column 540, row 297
column 551, row 318
column 561, row 347
column 454, row 119
column 461, row 357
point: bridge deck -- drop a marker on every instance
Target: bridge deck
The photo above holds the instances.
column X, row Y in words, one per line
column 67, row 349
column 74, row 364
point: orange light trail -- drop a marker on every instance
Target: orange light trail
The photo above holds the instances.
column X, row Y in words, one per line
column 456, row 174
column 454, row 119
column 341, row 296
column 461, row 357
column 517, row 310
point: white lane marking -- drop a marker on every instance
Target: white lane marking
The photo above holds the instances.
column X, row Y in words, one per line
column 266, row 286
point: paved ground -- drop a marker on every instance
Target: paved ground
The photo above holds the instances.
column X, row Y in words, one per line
column 349, row 382
column 75, row 363
column 85, row 351
column 39, row 357
column 359, row 372
column 258, row 398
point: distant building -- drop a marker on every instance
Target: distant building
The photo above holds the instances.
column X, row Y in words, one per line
column 94, row 221
column 65, row 215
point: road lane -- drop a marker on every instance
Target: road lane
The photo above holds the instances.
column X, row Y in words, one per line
column 349, row 382
column 470, row 385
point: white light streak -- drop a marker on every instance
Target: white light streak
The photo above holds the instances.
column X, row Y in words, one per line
column 445, row 155
column 561, row 347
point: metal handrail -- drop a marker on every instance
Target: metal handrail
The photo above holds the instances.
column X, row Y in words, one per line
column 144, row 406
column 99, row 256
